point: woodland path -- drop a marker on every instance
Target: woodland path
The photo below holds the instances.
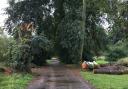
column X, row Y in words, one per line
column 56, row 76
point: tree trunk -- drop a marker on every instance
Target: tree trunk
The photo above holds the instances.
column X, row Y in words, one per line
column 83, row 27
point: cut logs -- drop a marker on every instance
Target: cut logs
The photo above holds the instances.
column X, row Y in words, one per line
column 6, row 71
column 115, row 69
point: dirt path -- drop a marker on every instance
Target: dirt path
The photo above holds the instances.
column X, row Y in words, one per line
column 56, row 76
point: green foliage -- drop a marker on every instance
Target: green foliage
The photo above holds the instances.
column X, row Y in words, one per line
column 118, row 50
column 102, row 62
column 70, row 37
column 61, row 22
column 119, row 19
column 41, row 49
column 23, row 58
column 123, row 61
column 15, row 81
column 27, row 11
column 100, row 58
column 41, row 42
column 96, row 37
column 4, row 41
column 115, row 54
column 12, row 50
column 19, row 57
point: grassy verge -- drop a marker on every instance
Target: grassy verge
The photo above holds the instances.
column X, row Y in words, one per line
column 15, row 81
column 103, row 81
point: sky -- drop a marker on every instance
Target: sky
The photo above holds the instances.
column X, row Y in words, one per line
column 3, row 5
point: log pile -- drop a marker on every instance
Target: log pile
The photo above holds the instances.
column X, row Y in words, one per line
column 6, row 71
column 114, row 69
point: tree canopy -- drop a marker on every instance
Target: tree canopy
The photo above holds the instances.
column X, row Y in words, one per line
column 61, row 22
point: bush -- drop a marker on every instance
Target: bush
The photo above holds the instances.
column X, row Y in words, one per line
column 35, row 50
column 4, row 41
column 123, row 61
column 41, row 49
column 115, row 55
column 23, row 58
column 19, row 56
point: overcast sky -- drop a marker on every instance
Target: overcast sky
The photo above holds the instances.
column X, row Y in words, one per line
column 3, row 5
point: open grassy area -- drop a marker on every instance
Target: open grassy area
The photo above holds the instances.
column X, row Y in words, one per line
column 103, row 81
column 15, row 81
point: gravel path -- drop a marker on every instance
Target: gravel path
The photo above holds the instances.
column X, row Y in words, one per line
column 56, row 76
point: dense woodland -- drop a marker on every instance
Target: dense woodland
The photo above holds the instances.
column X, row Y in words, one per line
column 72, row 30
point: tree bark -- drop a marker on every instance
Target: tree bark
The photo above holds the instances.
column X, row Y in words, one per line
column 83, row 27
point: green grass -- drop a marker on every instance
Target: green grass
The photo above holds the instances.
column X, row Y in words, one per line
column 102, row 62
column 104, row 81
column 15, row 81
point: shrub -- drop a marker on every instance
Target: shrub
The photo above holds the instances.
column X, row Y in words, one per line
column 41, row 49
column 87, row 56
column 100, row 58
column 23, row 58
column 115, row 54
column 19, row 56
column 123, row 61
column 4, row 41
column 36, row 50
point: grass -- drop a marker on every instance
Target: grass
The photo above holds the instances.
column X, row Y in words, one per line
column 104, row 81
column 102, row 62
column 15, row 81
